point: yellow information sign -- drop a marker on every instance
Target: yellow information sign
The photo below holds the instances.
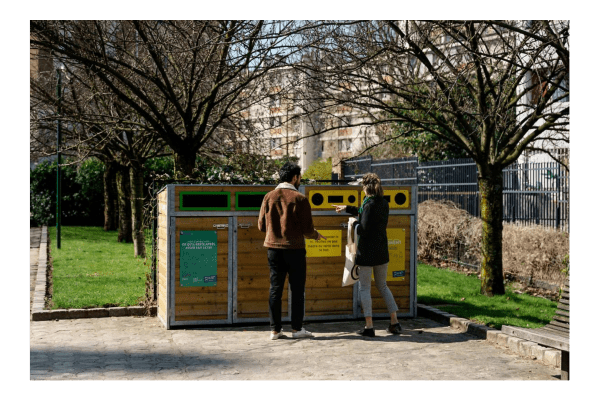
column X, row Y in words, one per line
column 396, row 248
column 332, row 247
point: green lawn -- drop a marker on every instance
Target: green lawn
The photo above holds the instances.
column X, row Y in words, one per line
column 459, row 295
column 92, row 269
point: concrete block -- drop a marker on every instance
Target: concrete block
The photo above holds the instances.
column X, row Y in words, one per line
column 514, row 344
column 552, row 357
column 502, row 340
column 537, row 352
column 478, row 330
column 492, row 336
column 459, row 323
column 87, row 313
column 526, row 348
column 118, row 312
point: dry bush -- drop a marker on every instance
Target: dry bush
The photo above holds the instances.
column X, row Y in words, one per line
column 445, row 231
column 535, row 252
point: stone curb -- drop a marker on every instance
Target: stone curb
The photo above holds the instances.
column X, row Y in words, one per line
column 39, row 293
column 521, row 347
column 133, row 311
column 37, row 309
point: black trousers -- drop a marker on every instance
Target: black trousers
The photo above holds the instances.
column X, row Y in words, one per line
column 284, row 262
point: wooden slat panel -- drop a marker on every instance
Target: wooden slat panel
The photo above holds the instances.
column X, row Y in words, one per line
column 555, row 330
column 561, row 312
column 258, row 307
column 562, row 306
column 253, row 282
column 328, row 313
column 203, row 302
column 203, row 309
column 313, row 281
column 563, row 301
column 544, row 337
column 200, row 298
column 258, row 294
column 162, row 307
column 329, row 293
column 560, row 324
column 183, row 318
column 561, row 318
column 344, row 306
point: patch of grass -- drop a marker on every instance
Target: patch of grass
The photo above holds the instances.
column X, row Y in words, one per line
column 458, row 294
column 92, row 269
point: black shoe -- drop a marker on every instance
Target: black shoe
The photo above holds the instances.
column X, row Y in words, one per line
column 395, row 329
column 369, row 332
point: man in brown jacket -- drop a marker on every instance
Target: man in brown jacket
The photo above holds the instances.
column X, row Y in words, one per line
column 286, row 218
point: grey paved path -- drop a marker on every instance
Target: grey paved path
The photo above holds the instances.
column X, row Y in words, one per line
column 35, row 235
column 140, row 348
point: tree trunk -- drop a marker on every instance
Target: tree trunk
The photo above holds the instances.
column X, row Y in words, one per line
column 185, row 162
column 490, row 188
column 137, row 210
column 110, row 196
column 124, row 199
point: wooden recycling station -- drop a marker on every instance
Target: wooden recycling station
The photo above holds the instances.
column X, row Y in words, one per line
column 213, row 269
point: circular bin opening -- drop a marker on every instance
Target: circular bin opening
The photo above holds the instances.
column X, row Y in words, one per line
column 400, row 198
column 317, row 199
column 351, row 198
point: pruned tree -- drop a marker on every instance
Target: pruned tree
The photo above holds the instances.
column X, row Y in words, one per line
column 492, row 89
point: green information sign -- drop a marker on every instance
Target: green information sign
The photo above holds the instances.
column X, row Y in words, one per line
column 197, row 258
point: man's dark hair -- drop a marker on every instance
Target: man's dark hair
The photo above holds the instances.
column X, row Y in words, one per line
column 289, row 171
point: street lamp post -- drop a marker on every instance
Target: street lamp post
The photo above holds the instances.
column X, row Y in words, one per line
column 58, row 160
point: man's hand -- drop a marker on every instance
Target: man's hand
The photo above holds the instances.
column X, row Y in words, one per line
column 321, row 237
column 339, row 209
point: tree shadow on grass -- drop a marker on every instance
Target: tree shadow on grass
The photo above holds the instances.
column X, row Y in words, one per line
column 471, row 311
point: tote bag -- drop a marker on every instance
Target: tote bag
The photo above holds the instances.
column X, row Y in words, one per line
column 350, row 268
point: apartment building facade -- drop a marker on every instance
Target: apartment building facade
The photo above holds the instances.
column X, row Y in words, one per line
column 284, row 123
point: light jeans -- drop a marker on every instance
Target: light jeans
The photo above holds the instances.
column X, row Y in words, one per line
column 364, row 288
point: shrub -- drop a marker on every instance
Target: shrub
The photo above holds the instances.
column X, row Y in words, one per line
column 81, row 194
column 448, row 232
column 241, row 169
column 319, row 170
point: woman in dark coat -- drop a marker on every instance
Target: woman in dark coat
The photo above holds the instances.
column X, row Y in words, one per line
column 372, row 255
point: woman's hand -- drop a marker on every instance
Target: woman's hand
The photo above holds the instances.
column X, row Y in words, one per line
column 339, row 209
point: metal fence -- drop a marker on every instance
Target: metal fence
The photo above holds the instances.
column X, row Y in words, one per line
column 534, row 193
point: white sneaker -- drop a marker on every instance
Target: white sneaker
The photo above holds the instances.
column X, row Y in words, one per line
column 302, row 334
column 277, row 335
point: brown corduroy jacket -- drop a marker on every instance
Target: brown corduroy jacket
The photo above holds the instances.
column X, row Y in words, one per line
column 286, row 218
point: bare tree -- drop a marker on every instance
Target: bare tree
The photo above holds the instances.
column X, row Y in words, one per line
column 96, row 123
column 493, row 89
column 183, row 78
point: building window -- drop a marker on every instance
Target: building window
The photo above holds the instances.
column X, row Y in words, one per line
column 539, row 85
column 413, row 63
column 563, row 88
column 274, row 122
column 275, row 143
column 345, row 145
column 274, row 101
column 345, row 121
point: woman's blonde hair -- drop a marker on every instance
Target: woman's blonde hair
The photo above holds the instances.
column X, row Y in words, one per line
column 372, row 184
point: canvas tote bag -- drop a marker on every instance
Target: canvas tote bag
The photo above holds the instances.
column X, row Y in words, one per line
column 350, row 268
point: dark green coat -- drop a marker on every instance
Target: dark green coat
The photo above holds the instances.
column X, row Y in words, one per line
column 372, row 243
